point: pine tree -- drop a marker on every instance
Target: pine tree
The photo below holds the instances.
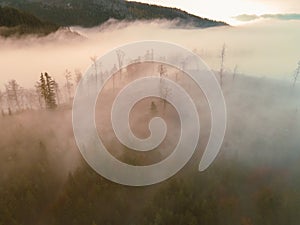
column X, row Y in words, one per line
column 46, row 87
column 51, row 98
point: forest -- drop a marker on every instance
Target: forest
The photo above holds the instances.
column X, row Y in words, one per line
column 15, row 22
column 254, row 181
column 44, row 178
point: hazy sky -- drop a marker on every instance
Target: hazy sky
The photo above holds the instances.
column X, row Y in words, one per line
column 268, row 48
column 225, row 10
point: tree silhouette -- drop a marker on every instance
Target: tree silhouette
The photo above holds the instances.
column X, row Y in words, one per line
column 223, row 52
column 234, row 72
column 13, row 91
column 296, row 74
column 69, row 84
column 46, row 87
column 78, row 76
column 1, row 101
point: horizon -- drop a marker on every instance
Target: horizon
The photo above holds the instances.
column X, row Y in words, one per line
column 243, row 12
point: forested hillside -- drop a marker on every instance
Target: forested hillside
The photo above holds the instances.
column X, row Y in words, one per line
column 13, row 21
column 89, row 13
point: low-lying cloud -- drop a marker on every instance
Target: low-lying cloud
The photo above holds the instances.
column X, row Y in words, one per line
column 268, row 48
column 247, row 17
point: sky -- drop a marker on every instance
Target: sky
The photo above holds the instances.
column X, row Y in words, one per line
column 267, row 48
column 229, row 9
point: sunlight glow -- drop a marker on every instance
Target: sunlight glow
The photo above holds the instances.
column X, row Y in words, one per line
column 216, row 9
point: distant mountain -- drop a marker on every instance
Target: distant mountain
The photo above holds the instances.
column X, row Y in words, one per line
column 16, row 22
column 89, row 13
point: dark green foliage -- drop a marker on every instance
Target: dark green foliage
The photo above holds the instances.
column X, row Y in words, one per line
column 90, row 13
column 138, row 10
column 16, row 22
column 47, row 87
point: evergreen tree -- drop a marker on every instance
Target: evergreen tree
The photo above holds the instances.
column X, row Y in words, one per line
column 46, row 88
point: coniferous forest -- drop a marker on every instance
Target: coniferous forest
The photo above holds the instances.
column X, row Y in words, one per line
column 255, row 179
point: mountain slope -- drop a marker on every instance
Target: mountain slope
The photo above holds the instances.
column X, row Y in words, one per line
column 89, row 13
column 13, row 21
column 138, row 10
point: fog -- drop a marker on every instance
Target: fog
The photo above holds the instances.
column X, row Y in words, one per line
column 266, row 48
column 254, row 179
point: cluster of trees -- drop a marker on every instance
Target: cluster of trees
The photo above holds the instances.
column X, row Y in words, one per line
column 89, row 13
column 47, row 94
column 226, row 194
column 18, row 22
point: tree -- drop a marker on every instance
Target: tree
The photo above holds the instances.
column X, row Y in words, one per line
column 69, row 84
column 113, row 71
column 51, row 99
column 120, row 55
column 1, row 100
column 39, row 94
column 78, row 76
column 46, row 87
column 296, row 74
column 234, row 72
column 13, row 91
column 94, row 60
column 166, row 93
column 153, row 107
column 57, row 91
column 223, row 52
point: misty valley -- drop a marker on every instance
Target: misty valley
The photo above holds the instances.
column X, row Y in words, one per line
column 56, row 54
column 254, row 180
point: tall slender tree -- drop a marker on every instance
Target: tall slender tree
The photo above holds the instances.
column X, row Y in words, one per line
column 51, row 98
column 234, row 72
column 78, row 76
column 296, row 74
column 1, row 102
column 69, row 84
column 46, row 87
column 13, row 91
column 223, row 53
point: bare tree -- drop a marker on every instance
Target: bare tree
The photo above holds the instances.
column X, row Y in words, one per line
column 39, row 94
column 1, row 102
column 167, row 92
column 162, row 73
column 57, row 91
column 69, row 84
column 120, row 55
column 296, row 74
column 13, row 91
column 78, row 76
column 234, row 72
column 94, row 60
column 113, row 71
column 29, row 99
column 222, row 56
column 164, row 90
